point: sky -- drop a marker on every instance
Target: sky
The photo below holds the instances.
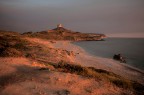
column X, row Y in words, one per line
column 115, row 18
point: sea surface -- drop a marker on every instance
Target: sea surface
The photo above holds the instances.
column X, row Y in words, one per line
column 130, row 48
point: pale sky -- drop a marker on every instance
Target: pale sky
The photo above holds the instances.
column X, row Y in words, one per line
column 116, row 18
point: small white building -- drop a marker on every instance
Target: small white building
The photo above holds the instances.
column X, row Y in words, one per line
column 59, row 26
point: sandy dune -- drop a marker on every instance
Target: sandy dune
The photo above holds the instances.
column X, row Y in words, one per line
column 25, row 78
column 22, row 76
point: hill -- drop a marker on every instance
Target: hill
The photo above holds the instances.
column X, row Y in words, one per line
column 61, row 33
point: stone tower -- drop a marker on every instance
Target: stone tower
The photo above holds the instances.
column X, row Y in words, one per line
column 59, row 26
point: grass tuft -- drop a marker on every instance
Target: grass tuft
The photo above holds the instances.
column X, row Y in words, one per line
column 12, row 45
column 100, row 74
column 76, row 69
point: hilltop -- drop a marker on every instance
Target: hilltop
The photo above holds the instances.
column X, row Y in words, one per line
column 61, row 33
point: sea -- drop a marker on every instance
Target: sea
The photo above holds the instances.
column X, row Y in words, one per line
column 132, row 49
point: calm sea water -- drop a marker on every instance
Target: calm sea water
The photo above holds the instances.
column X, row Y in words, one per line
column 131, row 48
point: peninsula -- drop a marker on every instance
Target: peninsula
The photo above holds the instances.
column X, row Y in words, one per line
column 61, row 33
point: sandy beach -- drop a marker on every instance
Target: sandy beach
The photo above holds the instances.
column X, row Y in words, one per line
column 24, row 76
column 84, row 58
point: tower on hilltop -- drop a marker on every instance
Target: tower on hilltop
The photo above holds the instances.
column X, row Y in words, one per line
column 59, row 26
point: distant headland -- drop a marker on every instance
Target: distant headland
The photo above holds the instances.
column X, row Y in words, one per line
column 61, row 33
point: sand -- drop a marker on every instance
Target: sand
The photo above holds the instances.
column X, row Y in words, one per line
column 84, row 58
column 21, row 76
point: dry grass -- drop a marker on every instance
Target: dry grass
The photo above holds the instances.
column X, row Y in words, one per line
column 100, row 74
column 12, row 45
column 76, row 69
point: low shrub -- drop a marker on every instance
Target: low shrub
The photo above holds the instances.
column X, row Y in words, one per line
column 12, row 46
column 138, row 88
column 76, row 69
column 121, row 83
column 10, row 52
column 100, row 74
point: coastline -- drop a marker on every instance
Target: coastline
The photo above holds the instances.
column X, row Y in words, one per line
column 84, row 58
column 45, row 73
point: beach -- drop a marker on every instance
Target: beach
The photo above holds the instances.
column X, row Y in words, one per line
column 84, row 58
column 38, row 77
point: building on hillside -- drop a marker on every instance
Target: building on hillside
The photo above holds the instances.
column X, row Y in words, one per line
column 59, row 25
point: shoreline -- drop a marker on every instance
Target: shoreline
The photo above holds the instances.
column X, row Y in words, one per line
column 127, row 65
column 107, row 49
column 46, row 74
column 84, row 58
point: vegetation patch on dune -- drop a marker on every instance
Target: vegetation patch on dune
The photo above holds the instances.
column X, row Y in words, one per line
column 12, row 45
column 99, row 75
